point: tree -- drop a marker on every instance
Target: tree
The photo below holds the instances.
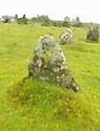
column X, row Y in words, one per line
column 66, row 22
column 16, row 17
column 6, row 19
column 77, row 22
column 24, row 16
column 77, row 19
column 42, row 18
column 67, row 19
column 22, row 20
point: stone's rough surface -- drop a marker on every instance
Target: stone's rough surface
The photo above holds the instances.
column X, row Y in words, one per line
column 66, row 37
column 49, row 64
column 93, row 34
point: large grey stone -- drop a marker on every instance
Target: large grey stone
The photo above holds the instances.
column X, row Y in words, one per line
column 93, row 34
column 67, row 37
column 49, row 64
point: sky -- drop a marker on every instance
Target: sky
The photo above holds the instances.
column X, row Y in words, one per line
column 87, row 10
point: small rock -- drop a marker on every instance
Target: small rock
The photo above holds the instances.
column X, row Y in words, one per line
column 66, row 37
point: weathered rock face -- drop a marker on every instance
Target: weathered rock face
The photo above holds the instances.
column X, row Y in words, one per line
column 66, row 37
column 93, row 34
column 49, row 64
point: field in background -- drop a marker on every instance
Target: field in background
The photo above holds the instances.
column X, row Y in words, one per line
column 17, row 43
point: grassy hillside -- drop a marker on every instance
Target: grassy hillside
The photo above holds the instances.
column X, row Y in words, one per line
column 43, row 106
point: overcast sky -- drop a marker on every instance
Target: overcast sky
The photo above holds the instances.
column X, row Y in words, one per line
column 87, row 10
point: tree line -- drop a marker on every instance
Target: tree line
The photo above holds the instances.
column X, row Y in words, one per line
column 44, row 20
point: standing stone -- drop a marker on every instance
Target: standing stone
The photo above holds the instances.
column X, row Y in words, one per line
column 66, row 37
column 49, row 64
column 93, row 34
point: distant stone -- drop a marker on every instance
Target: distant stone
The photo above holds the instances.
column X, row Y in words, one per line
column 93, row 34
column 66, row 37
column 49, row 64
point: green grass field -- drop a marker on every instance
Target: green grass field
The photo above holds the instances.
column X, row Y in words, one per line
column 45, row 107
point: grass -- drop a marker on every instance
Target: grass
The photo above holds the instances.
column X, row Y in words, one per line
column 41, row 106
